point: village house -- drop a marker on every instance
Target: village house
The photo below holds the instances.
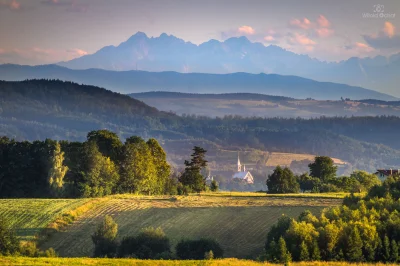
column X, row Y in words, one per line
column 383, row 174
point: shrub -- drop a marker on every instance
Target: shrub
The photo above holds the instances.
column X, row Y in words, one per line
column 104, row 238
column 9, row 243
column 196, row 249
column 150, row 243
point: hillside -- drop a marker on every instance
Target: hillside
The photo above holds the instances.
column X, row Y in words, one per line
column 238, row 54
column 142, row 81
column 39, row 109
column 251, row 104
column 182, row 217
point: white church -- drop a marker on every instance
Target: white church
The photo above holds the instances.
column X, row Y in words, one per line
column 242, row 173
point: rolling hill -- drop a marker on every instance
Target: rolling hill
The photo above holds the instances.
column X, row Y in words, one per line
column 251, row 104
column 180, row 217
column 142, row 81
column 39, row 109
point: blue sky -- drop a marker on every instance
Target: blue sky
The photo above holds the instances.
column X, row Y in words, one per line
column 48, row 31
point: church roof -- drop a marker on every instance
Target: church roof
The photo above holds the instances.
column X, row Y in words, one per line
column 247, row 176
column 240, row 175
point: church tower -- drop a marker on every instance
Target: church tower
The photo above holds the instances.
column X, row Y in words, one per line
column 239, row 165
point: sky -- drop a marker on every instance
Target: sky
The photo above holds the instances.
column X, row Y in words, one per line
column 48, row 31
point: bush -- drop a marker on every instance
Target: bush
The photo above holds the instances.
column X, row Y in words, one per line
column 214, row 186
column 104, row 238
column 196, row 249
column 9, row 243
column 150, row 243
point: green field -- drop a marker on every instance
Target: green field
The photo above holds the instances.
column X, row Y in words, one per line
column 29, row 216
column 132, row 262
column 239, row 221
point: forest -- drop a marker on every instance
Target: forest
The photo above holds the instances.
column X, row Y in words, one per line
column 362, row 229
column 40, row 109
column 100, row 166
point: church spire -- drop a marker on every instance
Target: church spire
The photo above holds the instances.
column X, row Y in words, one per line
column 238, row 164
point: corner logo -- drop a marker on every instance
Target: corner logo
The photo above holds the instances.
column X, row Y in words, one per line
column 378, row 11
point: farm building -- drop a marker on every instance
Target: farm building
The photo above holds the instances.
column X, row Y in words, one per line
column 383, row 174
column 242, row 173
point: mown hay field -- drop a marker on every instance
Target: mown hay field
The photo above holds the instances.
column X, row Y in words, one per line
column 240, row 224
column 285, row 159
column 133, row 262
column 29, row 216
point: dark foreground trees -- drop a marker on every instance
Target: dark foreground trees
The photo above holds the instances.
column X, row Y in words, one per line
column 102, row 165
column 360, row 230
column 104, row 238
column 282, row 181
column 198, row 249
column 192, row 177
column 149, row 243
column 9, row 243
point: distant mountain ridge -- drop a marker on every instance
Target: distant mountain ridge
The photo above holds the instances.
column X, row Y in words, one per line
column 238, row 54
column 143, row 81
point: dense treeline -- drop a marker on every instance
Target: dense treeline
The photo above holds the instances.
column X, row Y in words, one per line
column 102, row 165
column 40, row 109
column 365, row 229
column 322, row 178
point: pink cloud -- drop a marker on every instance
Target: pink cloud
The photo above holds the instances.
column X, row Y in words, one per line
column 324, row 32
column 41, row 55
column 322, row 26
column 305, row 23
column 269, row 38
column 303, row 40
column 360, row 48
column 323, row 22
column 11, row 5
column 247, row 30
column 385, row 38
column 77, row 52
column 389, row 29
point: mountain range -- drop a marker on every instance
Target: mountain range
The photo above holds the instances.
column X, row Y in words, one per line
column 238, row 54
column 143, row 81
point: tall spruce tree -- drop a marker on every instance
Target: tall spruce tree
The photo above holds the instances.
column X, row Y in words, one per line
column 354, row 246
column 304, row 254
column 192, row 176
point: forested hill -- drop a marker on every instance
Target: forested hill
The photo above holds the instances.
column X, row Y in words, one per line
column 140, row 81
column 71, row 106
column 39, row 109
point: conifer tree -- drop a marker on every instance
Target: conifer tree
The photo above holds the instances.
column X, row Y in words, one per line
column 354, row 246
column 315, row 252
column 192, row 176
column 304, row 254
column 395, row 251
column 284, row 255
column 386, row 248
